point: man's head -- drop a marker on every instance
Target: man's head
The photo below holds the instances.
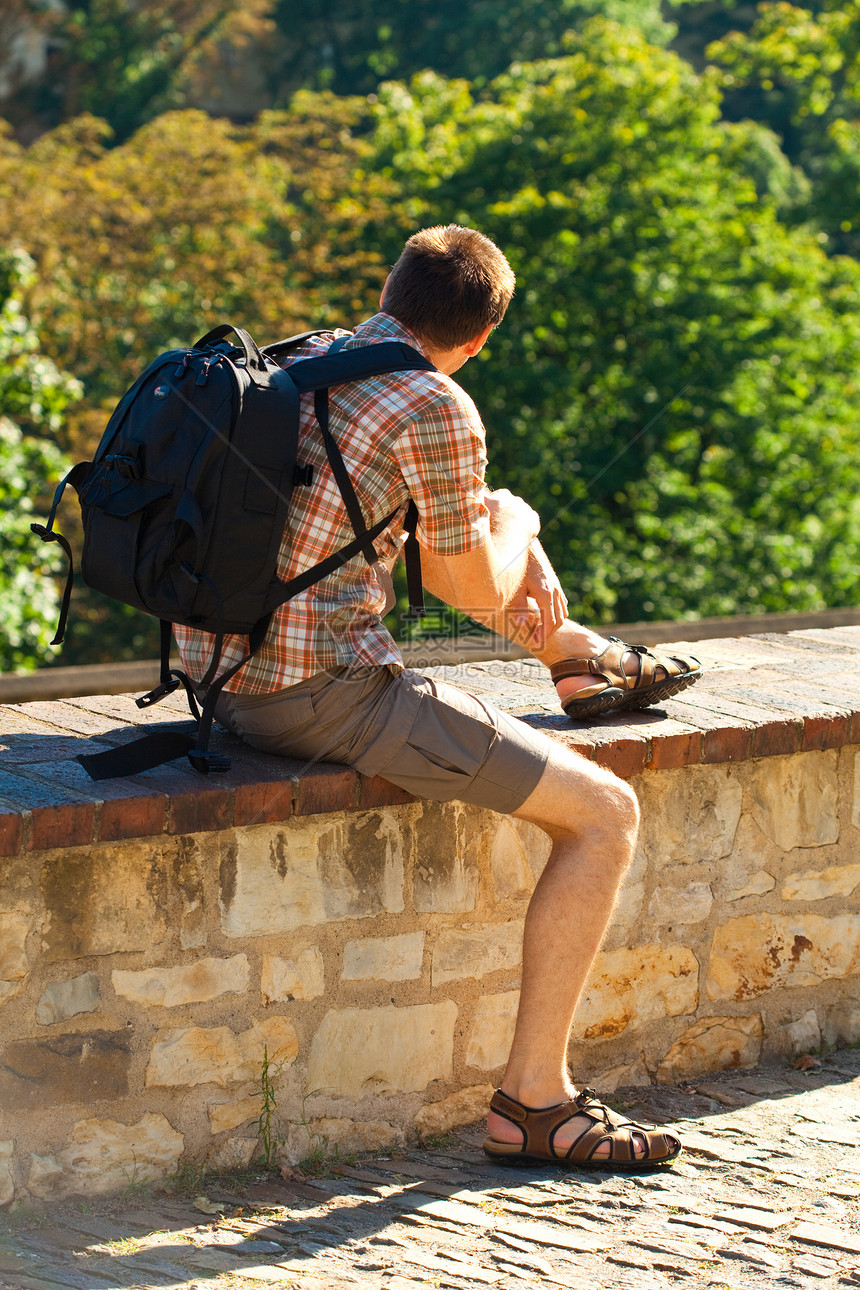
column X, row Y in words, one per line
column 450, row 285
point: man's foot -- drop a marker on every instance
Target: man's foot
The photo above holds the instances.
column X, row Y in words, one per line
column 620, row 676
column 579, row 1132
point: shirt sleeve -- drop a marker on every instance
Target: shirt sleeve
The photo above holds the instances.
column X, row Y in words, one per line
column 443, row 458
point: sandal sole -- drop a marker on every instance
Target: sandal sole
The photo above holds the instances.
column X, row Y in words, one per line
column 521, row 1161
column 660, row 691
column 609, row 700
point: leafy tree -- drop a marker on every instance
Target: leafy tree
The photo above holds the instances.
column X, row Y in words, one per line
column 127, row 62
column 189, row 223
column 675, row 384
column 33, row 395
column 798, row 69
column 351, row 47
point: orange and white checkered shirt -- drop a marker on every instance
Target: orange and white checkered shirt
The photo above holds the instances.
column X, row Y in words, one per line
column 404, row 435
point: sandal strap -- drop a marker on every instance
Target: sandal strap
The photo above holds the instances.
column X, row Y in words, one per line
column 609, row 666
column 539, row 1127
column 606, row 665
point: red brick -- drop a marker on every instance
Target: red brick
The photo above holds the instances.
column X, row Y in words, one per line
column 132, row 816
column 673, row 745
column 11, row 832
column 68, row 825
column 724, row 737
column 263, row 802
column 622, row 749
column 727, row 742
column 822, row 730
column 204, row 808
column 777, row 737
column 376, row 791
column 326, row 788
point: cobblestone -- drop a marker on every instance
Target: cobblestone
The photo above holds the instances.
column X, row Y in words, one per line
column 761, row 1198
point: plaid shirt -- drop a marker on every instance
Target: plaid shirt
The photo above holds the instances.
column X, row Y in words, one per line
column 403, row 435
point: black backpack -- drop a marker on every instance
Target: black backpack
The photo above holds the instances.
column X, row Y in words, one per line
column 185, row 502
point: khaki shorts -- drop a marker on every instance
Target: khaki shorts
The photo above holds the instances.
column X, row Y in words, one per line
column 427, row 737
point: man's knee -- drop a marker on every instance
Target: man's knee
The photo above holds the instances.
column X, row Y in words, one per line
column 576, row 797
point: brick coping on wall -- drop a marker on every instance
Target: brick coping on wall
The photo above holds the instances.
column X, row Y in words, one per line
column 761, row 696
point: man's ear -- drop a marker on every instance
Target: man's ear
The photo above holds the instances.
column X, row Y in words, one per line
column 472, row 347
column 382, row 293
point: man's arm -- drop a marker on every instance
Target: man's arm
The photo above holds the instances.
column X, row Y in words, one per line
column 506, row 583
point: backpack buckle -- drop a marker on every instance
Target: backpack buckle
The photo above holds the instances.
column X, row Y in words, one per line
column 160, row 692
column 208, row 762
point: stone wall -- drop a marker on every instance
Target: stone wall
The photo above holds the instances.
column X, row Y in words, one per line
column 164, row 938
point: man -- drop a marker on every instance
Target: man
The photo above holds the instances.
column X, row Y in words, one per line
column 329, row 682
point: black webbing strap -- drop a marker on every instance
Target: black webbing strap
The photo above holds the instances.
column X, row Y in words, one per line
column 137, row 755
column 199, row 756
column 47, row 534
column 412, row 560
column 342, row 479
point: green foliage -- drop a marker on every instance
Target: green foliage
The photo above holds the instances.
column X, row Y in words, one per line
column 798, row 70
column 350, row 48
column 675, row 385
column 33, row 395
column 654, row 274
column 126, row 60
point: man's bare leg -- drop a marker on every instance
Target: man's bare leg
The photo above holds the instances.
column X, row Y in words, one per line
column 592, row 818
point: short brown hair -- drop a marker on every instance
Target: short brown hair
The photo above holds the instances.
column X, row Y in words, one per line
column 448, row 285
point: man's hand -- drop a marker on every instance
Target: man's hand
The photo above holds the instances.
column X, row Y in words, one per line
column 510, row 515
column 540, row 606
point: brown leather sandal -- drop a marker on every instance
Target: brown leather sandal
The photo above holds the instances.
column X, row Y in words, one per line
column 539, row 1127
column 656, row 678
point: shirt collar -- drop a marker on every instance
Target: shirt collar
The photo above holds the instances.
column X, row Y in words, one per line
column 383, row 326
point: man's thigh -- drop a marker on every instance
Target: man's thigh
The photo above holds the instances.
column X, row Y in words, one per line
column 431, row 739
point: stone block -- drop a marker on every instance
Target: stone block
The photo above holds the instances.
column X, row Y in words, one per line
column 7, row 1182
column 512, row 875
column 492, row 1030
column 628, row 1075
column 758, row 952
column 107, row 1156
column 518, row 853
column 14, row 967
column 752, row 884
column 690, row 904
column 104, row 900
column 83, row 1068
column 794, row 799
column 384, row 958
column 192, row 983
column 285, row 980
column 631, row 987
column 802, row 1035
column 64, row 999
column 235, row 1153
column 224, row 1116
column 690, row 815
column 631, row 898
column 216, row 1055
column 327, row 1135
column 475, row 951
column 445, row 874
column 842, row 1025
column 713, row 1044
column 311, row 871
column 466, row 1106
column 189, row 861
column 358, row 1052
column 820, row 884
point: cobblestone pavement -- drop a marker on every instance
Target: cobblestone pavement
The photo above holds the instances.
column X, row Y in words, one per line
column 767, row 1193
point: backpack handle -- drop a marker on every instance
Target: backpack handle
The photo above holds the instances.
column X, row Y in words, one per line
column 253, row 357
